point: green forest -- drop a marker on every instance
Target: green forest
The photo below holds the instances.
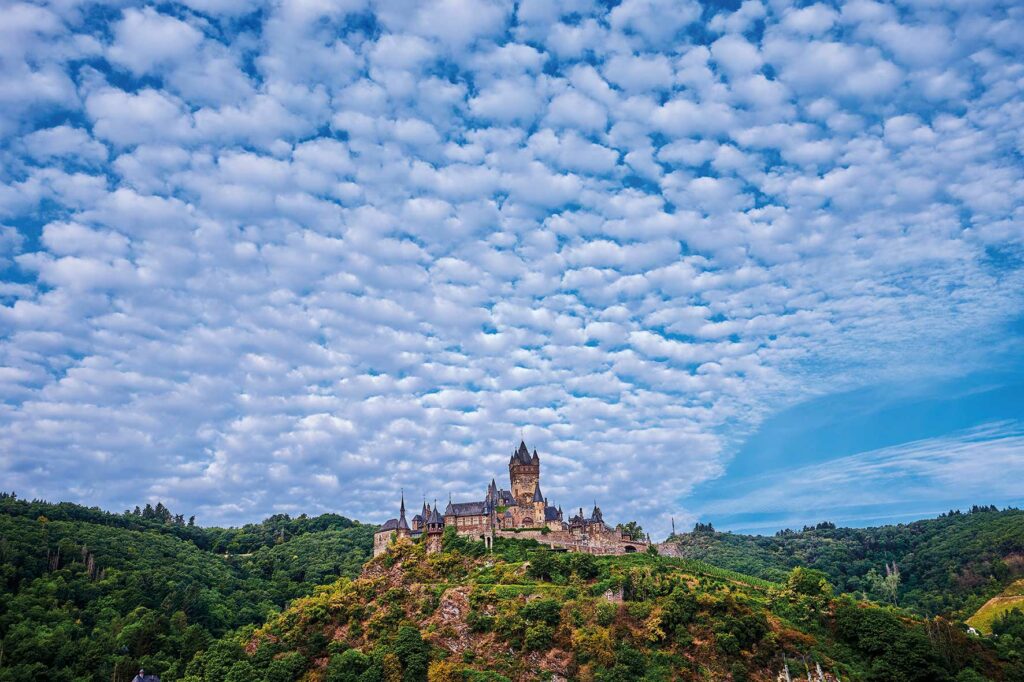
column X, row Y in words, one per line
column 90, row 595
column 93, row 595
column 946, row 566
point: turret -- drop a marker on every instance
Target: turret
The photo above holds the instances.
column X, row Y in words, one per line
column 434, row 530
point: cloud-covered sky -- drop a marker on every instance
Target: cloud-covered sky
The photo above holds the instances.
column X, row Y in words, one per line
column 291, row 256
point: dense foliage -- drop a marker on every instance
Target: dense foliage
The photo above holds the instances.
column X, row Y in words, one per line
column 90, row 595
column 949, row 565
column 85, row 594
column 525, row 612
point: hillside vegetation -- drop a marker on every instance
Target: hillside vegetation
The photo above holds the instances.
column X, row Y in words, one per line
column 1007, row 600
column 526, row 613
column 88, row 595
column 949, row 565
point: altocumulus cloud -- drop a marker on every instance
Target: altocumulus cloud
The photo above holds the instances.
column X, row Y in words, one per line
column 280, row 256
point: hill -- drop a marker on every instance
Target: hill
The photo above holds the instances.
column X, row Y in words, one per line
column 949, row 565
column 89, row 595
column 527, row 613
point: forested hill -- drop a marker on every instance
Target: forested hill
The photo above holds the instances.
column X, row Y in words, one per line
column 90, row 595
column 525, row 613
column 948, row 565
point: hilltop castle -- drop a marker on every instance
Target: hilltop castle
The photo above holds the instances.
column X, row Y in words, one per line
column 521, row 512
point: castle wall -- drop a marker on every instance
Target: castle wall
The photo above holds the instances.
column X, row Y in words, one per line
column 380, row 542
column 598, row 543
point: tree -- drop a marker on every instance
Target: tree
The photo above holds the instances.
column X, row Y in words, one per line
column 887, row 586
column 633, row 531
column 413, row 653
column 810, row 582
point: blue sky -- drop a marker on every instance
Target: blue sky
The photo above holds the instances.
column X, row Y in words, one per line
column 757, row 263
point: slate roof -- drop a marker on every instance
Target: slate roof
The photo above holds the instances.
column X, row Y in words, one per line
column 466, row 508
column 435, row 517
column 390, row 524
column 522, row 454
column 537, row 497
column 550, row 514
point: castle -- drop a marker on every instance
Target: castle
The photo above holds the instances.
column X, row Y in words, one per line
column 521, row 512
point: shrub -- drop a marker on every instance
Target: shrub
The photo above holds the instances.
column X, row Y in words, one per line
column 545, row 565
column 606, row 613
column 543, row 610
column 583, row 565
column 538, row 637
column 347, row 666
column 444, row 671
column 479, row 622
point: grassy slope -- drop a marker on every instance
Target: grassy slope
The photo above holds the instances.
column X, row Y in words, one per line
column 949, row 565
column 492, row 618
column 1010, row 598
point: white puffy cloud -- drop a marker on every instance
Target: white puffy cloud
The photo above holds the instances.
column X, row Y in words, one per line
column 146, row 40
column 360, row 245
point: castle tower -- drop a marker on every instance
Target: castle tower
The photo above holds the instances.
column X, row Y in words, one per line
column 524, row 474
column 434, row 530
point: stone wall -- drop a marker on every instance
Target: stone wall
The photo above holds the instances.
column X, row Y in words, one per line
column 601, row 544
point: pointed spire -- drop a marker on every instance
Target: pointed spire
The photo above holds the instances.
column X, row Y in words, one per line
column 537, row 497
column 435, row 519
column 402, row 523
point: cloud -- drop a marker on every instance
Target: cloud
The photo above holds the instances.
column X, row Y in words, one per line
column 146, row 40
column 294, row 256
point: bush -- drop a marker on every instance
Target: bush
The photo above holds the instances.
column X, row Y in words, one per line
column 739, row 672
column 538, row 637
column 583, row 565
column 543, row 610
column 545, row 565
column 606, row 613
column 347, row 666
column 479, row 622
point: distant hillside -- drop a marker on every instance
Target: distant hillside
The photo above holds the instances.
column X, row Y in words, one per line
column 525, row 613
column 89, row 595
column 949, row 565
